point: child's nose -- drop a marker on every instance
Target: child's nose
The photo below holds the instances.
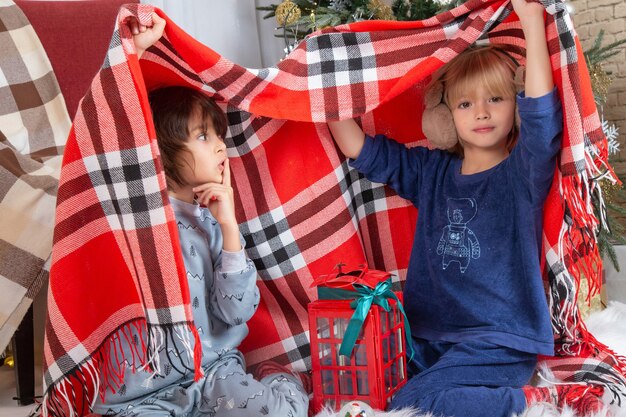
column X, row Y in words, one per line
column 481, row 112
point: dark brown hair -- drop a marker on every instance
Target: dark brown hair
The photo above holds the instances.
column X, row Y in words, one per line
column 172, row 107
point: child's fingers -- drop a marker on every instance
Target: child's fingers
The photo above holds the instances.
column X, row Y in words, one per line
column 226, row 173
column 210, row 192
column 205, row 187
column 158, row 24
column 206, row 197
column 134, row 25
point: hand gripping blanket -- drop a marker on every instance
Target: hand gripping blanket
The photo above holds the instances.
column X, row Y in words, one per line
column 116, row 263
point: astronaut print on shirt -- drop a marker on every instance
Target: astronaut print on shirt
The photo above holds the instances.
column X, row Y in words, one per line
column 458, row 243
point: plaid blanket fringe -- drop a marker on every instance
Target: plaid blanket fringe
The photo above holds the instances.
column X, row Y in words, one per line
column 76, row 393
column 113, row 200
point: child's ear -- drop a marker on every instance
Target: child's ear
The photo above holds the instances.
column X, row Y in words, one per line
column 437, row 121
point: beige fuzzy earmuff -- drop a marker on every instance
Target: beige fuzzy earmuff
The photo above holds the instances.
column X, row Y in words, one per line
column 437, row 121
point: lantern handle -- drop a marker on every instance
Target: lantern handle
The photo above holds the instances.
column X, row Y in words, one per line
column 356, row 274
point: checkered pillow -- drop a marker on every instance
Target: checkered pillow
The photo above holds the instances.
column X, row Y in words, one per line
column 33, row 128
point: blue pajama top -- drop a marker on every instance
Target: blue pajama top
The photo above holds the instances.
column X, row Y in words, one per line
column 474, row 272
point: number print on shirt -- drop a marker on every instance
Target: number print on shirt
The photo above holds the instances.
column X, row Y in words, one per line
column 458, row 243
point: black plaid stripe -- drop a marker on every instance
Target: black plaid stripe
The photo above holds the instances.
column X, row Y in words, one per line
column 364, row 197
column 165, row 50
column 243, row 130
column 123, row 181
column 565, row 32
column 273, row 248
column 554, row 6
column 239, row 130
column 298, row 351
column 593, row 371
column 339, row 59
column 560, row 288
column 115, row 46
column 63, row 361
column 271, row 245
column 494, row 21
column 567, row 49
column 239, row 76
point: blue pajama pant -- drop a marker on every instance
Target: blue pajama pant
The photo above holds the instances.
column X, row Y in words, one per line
column 466, row 379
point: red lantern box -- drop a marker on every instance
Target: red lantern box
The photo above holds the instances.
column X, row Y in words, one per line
column 357, row 331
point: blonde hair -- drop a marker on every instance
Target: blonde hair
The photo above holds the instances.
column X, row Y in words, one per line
column 490, row 66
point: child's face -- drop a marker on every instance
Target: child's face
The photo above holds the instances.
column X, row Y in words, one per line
column 482, row 120
column 203, row 162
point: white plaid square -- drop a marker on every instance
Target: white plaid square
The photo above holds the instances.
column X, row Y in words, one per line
column 128, row 221
column 121, row 190
column 315, row 82
column 30, row 48
column 115, row 54
column 59, row 122
column 15, row 132
column 157, row 216
column 342, row 78
column 150, row 185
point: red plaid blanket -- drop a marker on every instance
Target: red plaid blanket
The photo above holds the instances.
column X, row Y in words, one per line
column 116, row 262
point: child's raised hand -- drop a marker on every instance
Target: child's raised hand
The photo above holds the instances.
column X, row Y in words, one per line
column 539, row 80
column 219, row 198
column 528, row 10
column 145, row 36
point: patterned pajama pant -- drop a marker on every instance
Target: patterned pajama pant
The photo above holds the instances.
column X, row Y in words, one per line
column 226, row 391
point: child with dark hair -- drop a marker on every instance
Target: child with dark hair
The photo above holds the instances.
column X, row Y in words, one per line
column 190, row 128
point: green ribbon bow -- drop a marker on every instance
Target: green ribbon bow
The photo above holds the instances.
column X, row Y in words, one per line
column 363, row 299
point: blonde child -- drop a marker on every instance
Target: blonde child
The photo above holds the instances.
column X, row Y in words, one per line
column 474, row 293
column 190, row 128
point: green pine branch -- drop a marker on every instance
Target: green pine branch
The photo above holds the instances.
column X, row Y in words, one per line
column 598, row 53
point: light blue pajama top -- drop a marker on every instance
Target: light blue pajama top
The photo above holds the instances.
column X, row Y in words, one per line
column 224, row 296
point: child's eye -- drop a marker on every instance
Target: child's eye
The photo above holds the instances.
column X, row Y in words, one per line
column 202, row 137
column 496, row 99
column 464, row 105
